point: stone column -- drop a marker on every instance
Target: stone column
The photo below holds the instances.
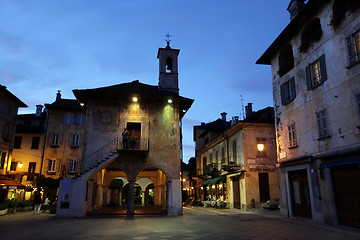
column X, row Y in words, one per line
column 130, row 206
column 143, row 198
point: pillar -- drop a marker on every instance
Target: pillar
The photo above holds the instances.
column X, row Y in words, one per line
column 130, row 206
column 143, row 198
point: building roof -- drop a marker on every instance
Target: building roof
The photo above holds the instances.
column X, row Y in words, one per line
column 11, row 96
column 65, row 104
column 124, row 90
column 290, row 30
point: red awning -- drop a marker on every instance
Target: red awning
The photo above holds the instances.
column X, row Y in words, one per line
column 8, row 184
column 199, row 184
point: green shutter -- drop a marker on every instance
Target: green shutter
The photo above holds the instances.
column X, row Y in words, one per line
column 292, row 94
column 282, row 93
column 308, row 78
column 323, row 68
column 351, row 50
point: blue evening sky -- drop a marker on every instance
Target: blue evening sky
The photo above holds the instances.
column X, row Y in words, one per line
column 63, row 45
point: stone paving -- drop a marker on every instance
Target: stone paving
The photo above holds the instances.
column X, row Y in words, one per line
column 197, row 223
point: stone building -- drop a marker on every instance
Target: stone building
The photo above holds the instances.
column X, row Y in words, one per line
column 145, row 159
column 9, row 105
column 239, row 165
column 316, row 91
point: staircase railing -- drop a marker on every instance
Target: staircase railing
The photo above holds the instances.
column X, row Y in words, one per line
column 102, row 154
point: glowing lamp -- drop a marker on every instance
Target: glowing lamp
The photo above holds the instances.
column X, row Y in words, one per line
column 213, row 186
column 135, row 99
column 20, row 164
column 260, row 147
column 169, row 101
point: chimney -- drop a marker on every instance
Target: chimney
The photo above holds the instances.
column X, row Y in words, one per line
column 248, row 110
column 38, row 110
column 58, row 95
column 223, row 116
column 295, row 7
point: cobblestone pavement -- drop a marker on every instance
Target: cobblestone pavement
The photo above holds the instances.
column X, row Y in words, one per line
column 196, row 223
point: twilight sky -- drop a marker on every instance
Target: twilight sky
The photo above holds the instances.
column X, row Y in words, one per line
column 47, row 46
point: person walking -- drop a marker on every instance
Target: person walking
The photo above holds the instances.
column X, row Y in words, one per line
column 37, row 201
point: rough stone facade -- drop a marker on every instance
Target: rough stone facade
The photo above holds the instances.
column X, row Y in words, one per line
column 316, row 99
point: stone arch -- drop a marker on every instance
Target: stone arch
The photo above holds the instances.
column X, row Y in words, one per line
column 286, row 60
column 311, row 34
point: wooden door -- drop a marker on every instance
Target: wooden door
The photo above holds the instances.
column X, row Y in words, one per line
column 236, row 193
column 264, row 187
column 346, row 180
column 134, row 137
column 31, row 171
column 300, row 195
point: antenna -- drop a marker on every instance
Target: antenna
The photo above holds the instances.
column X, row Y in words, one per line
column 242, row 107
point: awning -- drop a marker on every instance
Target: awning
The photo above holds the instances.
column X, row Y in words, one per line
column 10, row 184
column 199, row 184
column 212, row 181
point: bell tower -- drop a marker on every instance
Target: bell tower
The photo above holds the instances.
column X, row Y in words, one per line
column 168, row 67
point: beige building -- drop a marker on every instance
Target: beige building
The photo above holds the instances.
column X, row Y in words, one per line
column 146, row 158
column 239, row 166
column 316, row 90
column 28, row 151
column 9, row 105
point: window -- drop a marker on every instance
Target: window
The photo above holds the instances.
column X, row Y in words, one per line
column 321, row 118
column 80, row 119
column 234, row 151
column 73, row 165
column 216, row 159
column 316, row 73
column 287, row 91
column 35, row 143
column 68, row 118
column 75, row 140
column 286, row 60
column 51, row 165
column 55, row 140
column 292, row 135
column 2, row 161
column 211, row 159
column 353, row 43
column 6, row 133
column 311, row 34
column 17, row 142
column 13, row 166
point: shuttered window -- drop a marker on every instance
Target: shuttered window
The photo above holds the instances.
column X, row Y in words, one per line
column 316, row 73
column 322, row 123
column 292, row 135
column 353, row 43
column 288, row 92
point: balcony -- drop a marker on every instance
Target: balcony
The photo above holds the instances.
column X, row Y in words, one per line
column 211, row 170
column 230, row 167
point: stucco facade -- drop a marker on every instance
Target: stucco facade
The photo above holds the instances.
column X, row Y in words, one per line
column 244, row 175
column 316, row 99
column 149, row 151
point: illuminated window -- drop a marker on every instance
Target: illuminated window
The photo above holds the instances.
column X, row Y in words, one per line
column 292, row 135
column 316, row 73
column 353, row 43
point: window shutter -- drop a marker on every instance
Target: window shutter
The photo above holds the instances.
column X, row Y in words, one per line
column 308, row 78
column 350, row 50
column 282, row 92
column 292, row 89
column 49, row 165
column 57, row 166
column 323, row 68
